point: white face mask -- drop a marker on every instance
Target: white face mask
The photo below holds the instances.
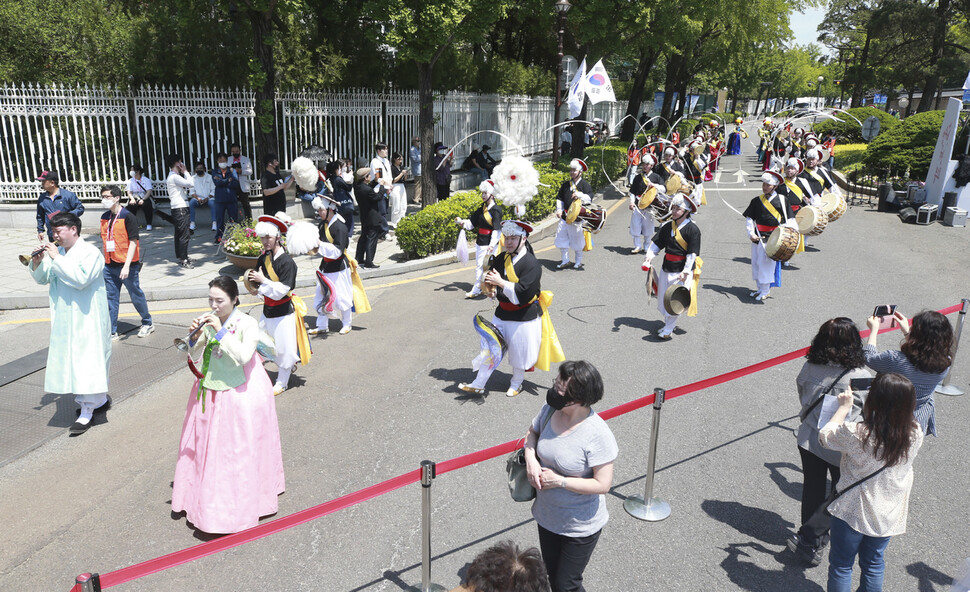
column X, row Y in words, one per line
column 131, row 173
column 107, row 203
column 223, row 165
column 347, row 177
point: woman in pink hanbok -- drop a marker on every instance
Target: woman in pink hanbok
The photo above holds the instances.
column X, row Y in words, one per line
column 230, row 468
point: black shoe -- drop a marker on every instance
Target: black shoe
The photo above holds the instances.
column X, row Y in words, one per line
column 186, row 264
column 370, row 266
column 78, row 428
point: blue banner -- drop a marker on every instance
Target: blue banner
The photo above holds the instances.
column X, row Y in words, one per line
column 879, row 99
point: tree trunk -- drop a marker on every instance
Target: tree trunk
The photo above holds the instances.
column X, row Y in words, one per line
column 940, row 27
column 429, row 191
column 670, row 85
column 630, row 125
column 267, row 138
column 859, row 74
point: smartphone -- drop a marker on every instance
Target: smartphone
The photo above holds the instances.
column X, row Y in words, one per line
column 884, row 310
column 860, row 384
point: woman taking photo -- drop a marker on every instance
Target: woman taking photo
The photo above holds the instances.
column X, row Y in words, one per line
column 877, row 455
column 923, row 358
column 398, row 195
column 569, row 454
column 230, row 469
column 834, row 358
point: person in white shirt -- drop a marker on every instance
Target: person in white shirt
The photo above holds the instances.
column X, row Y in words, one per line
column 140, row 194
column 203, row 190
column 380, row 171
column 179, row 183
column 245, row 177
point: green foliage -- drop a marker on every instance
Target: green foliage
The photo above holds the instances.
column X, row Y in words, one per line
column 239, row 238
column 433, row 229
column 849, row 129
column 907, row 146
column 849, row 156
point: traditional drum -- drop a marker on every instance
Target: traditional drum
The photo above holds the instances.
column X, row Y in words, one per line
column 647, row 197
column 592, row 217
column 811, row 220
column 833, row 205
column 782, row 243
column 673, row 183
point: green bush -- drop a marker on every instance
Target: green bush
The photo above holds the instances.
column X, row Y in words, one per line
column 907, row 146
column 433, row 229
column 849, row 156
column 849, row 130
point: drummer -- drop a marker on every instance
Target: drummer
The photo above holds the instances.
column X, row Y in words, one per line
column 641, row 220
column 795, row 188
column 763, row 215
column 570, row 236
column 681, row 239
column 670, row 164
column 819, row 179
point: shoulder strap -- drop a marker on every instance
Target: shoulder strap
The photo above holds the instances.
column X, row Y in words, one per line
column 839, row 494
column 815, row 403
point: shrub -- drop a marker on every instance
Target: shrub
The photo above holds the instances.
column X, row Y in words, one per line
column 433, row 229
column 908, row 145
column 239, row 238
column 849, row 156
column 849, row 130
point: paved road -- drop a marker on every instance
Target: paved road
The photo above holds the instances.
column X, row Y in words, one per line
column 373, row 404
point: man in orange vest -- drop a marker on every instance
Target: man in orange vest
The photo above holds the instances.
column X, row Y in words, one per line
column 119, row 244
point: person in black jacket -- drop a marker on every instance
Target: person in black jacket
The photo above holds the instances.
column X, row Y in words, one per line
column 371, row 220
column 486, row 221
column 334, row 273
column 340, row 175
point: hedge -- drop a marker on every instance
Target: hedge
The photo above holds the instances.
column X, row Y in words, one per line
column 849, row 156
column 433, row 229
column 907, row 146
column 849, row 130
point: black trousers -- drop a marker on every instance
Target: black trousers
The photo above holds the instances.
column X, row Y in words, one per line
column 443, row 192
column 180, row 217
column 814, row 492
column 367, row 244
column 243, row 198
column 147, row 206
column 566, row 558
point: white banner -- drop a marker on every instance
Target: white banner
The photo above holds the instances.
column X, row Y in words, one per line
column 940, row 169
column 598, row 85
column 577, row 91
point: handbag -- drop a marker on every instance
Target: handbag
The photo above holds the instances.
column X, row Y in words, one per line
column 519, row 487
column 820, row 520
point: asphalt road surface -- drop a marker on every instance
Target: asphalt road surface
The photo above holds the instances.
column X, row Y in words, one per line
column 373, row 404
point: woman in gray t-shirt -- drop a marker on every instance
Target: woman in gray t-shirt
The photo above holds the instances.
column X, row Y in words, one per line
column 569, row 454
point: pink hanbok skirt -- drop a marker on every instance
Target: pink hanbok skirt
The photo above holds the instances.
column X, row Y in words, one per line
column 230, row 467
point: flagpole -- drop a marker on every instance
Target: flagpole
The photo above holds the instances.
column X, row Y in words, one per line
column 562, row 7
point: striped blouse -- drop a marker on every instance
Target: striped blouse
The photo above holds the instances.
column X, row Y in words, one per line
column 925, row 382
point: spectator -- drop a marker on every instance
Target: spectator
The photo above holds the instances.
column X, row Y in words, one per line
column 923, row 358
column 341, row 178
column 227, row 190
column 487, row 161
column 415, row 157
column 273, row 185
column 442, row 170
column 368, row 195
column 52, row 201
column 204, row 189
column 834, row 359
column 565, row 141
column 122, row 260
column 245, row 174
column 877, row 463
column 506, row 568
column 475, row 164
column 179, row 182
column 140, row 194
column 399, row 195
column 569, row 454
column 80, row 342
column 380, row 168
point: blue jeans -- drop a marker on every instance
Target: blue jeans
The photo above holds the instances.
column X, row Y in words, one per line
column 194, row 203
column 846, row 544
column 113, row 283
column 220, row 210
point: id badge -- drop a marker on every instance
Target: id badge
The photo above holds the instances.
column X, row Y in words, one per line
column 109, row 246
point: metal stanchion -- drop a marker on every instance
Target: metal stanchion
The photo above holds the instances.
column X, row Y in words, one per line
column 648, row 507
column 427, row 477
column 88, row 582
column 945, row 388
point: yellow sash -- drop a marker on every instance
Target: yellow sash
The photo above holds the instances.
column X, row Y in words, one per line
column 698, row 262
column 326, row 230
column 550, row 350
column 300, row 310
column 587, row 241
column 488, row 217
column 361, row 303
column 816, row 177
column 771, row 209
column 795, row 189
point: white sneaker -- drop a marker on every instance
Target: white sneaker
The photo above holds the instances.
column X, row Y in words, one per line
column 148, row 227
column 344, row 330
column 191, row 225
column 214, row 226
column 318, row 331
column 146, row 330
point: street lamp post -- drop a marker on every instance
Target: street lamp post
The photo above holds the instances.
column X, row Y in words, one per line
column 562, row 7
column 818, row 102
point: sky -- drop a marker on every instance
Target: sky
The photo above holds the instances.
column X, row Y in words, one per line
column 803, row 25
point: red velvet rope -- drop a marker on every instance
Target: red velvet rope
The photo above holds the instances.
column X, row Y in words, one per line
column 257, row 532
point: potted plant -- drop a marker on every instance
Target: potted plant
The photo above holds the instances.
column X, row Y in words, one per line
column 241, row 245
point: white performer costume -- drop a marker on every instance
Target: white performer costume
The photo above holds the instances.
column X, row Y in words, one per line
column 570, row 236
column 757, row 223
column 642, row 224
column 675, row 253
column 487, row 222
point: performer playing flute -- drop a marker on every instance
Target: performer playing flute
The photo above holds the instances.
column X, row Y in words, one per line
column 487, row 222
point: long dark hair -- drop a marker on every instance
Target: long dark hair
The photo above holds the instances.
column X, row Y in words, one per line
column 888, row 416
column 837, row 342
column 929, row 342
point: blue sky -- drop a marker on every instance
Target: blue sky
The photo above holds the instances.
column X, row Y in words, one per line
column 803, row 25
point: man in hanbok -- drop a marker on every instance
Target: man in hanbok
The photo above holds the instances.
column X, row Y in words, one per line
column 570, row 235
column 335, row 290
column 763, row 215
column 641, row 219
column 486, row 221
column 80, row 342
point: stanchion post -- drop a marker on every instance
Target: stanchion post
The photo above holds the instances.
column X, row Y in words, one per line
column 88, row 582
column 650, row 507
column 427, row 478
column 945, row 388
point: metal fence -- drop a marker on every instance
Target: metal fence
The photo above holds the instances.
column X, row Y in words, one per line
column 91, row 135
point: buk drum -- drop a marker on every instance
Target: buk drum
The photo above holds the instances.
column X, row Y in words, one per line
column 811, row 220
column 592, row 217
column 782, row 243
column 833, row 205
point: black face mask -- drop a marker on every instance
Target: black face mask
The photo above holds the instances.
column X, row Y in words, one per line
column 555, row 400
